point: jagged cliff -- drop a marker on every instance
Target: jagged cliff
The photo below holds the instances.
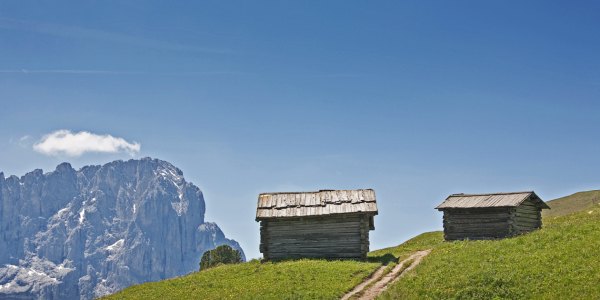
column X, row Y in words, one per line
column 83, row 234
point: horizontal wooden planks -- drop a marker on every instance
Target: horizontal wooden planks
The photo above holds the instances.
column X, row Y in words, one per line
column 475, row 221
column 528, row 209
column 314, row 254
column 340, row 249
column 475, row 231
column 336, row 237
column 485, row 233
column 322, row 219
column 478, row 231
column 317, row 227
column 342, row 236
column 528, row 222
column 483, row 226
column 327, row 245
column 478, row 211
column 528, row 216
column 314, row 221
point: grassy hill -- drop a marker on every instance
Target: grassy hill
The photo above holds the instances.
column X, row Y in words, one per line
column 291, row 279
column 571, row 204
column 302, row 279
column 560, row 261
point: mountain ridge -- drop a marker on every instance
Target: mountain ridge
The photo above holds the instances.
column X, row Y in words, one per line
column 91, row 232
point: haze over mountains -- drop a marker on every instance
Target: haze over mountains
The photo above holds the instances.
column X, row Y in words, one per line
column 83, row 234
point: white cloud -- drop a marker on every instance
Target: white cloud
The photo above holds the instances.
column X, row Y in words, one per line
column 64, row 142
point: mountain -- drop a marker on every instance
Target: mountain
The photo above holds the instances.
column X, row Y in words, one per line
column 83, row 234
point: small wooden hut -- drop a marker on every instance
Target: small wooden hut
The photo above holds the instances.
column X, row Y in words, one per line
column 327, row 223
column 489, row 216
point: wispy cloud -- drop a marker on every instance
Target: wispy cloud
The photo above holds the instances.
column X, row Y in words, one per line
column 22, row 141
column 101, row 72
column 80, row 32
column 64, row 142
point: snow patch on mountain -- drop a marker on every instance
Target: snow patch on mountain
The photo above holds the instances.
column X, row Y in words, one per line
column 83, row 234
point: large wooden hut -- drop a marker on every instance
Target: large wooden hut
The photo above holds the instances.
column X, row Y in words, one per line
column 488, row 216
column 327, row 223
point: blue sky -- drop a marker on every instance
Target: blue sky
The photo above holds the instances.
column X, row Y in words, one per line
column 416, row 100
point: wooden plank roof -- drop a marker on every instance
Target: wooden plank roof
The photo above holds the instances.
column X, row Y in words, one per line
column 513, row 199
column 320, row 203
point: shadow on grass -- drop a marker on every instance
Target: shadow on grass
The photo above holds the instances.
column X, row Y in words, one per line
column 383, row 259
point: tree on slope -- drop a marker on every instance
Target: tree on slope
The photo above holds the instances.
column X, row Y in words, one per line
column 223, row 254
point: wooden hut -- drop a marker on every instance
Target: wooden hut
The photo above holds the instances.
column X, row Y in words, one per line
column 488, row 216
column 327, row 223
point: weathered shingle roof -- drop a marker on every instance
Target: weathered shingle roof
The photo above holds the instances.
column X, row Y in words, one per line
column 324, row 202
column 490, row 200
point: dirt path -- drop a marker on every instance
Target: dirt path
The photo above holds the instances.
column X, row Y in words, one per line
column 384, row 281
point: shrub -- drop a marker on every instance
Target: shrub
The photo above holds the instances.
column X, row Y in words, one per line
column 223, row 254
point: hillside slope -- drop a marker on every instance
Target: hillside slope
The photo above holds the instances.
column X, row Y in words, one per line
column 560, row 261
column 302, row 279
column 571, row 204
column 293, row 279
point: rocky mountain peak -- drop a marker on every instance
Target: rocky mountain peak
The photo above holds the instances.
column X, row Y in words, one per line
column 94, row 231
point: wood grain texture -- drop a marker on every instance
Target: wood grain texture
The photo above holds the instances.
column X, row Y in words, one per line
column 478, row 223
column 333, row 237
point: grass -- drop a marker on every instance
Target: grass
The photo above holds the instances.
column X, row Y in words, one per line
column 571, row 204
column 560, row 261
column 423, row 241
column 292, row 279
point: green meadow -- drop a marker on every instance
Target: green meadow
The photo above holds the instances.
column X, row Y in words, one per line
column 297, row 279
column 560, row 261
column 287, row 279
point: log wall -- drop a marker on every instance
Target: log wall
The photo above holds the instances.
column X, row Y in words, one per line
column 338, row 236
column 476, row 224
column 491, row 223
column 528, row 217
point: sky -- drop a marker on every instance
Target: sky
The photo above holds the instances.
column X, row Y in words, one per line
column 414, row 99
